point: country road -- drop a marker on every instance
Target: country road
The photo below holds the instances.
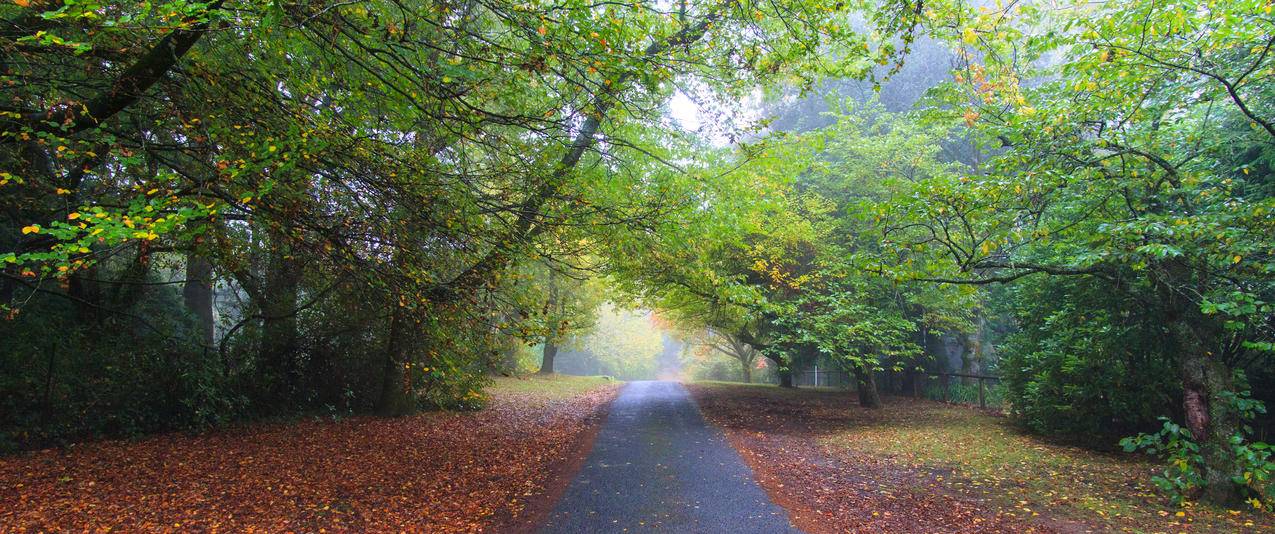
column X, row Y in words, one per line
column 657, row 466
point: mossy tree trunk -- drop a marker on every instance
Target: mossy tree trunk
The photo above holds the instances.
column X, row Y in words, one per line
column 197, row 293
column 866, row 385
column 396, row 383
column 546, row 363
column 1210, row 416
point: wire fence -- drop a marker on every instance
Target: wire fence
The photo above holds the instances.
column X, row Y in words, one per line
column 817, row 377
column 961, row 388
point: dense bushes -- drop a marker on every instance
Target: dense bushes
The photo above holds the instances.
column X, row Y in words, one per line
column 1090, row 358
column 123, row 357
column 70, row 374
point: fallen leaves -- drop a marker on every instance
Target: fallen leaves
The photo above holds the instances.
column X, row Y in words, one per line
column 777, row 433
column 919, row 466
column 435, row 472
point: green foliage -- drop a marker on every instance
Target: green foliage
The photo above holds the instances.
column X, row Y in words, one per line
column 560, row 302
column 1256, row 468
column 1174, row 445
column 625, row 344
column 961, row 393
column 1125, row 146
column 373, row 187
column 122, row 377
column 1090, row 358
column 1183, row 477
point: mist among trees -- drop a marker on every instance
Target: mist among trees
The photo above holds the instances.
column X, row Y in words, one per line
column 228, row 211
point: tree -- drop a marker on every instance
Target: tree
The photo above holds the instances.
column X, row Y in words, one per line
column 1133, row 157
column 357, row 184
column 731, row 346
column 570, row 308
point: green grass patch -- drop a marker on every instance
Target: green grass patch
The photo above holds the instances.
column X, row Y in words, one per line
column 988, row 456
column 734, row 384
column 552, row 387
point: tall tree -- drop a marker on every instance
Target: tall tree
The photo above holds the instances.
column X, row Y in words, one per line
column 1132, row 158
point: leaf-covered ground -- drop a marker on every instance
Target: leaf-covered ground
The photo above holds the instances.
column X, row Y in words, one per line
column 922, row 466
column 494, row 469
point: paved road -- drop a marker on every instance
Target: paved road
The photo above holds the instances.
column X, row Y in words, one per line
column 656, row 466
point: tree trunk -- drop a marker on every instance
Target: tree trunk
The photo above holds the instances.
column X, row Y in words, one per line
column 279, row 325
column 747, row 368
column 396, row 378
column 1211, row 419
column 509, row 355
column 554, row 318
column 198, row 296
column 546, row 364
column 785, row 377
column 973, row 355
column 84, row 288
column 866, row 383
column 1206, row 382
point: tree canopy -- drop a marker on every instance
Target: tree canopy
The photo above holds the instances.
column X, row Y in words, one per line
column 264, row 208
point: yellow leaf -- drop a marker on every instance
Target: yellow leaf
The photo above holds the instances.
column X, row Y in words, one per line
column 969, row 36
column 33, row 229
column 1236, row 259
column 73, row 215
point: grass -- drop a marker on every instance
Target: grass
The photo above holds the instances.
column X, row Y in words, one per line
column 987, row 456
column 736, row 384
column 555, row 386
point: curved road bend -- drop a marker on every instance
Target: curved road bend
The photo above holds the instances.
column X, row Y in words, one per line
column 656, row 466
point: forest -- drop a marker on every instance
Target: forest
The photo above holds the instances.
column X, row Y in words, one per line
column 214, row 213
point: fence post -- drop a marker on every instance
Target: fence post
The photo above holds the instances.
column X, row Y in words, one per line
column 943, row 379
column 982, row 401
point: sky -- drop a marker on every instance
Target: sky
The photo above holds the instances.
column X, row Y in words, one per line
column 684, row 111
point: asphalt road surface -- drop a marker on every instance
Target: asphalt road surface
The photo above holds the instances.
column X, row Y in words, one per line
column 656, row 466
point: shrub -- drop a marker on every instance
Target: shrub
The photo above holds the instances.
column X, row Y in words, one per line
column 1089, row 358
column 1183, row 477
